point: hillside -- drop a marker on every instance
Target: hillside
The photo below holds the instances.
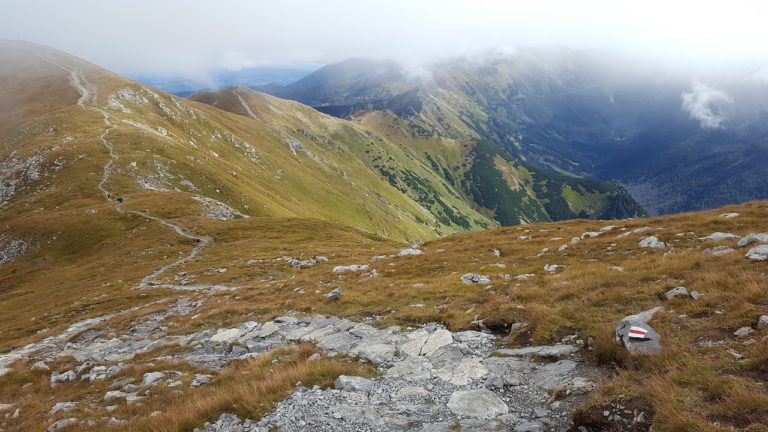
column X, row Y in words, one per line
column 458, row 164
column 678, row 140
column 240, row 263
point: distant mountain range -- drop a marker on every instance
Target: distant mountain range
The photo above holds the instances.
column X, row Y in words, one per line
column 275, row 75
column 677, row 140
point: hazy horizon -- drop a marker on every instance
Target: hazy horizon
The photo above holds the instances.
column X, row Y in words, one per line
column 192, row 39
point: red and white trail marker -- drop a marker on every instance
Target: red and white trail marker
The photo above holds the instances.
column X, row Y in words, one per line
column 637, row 332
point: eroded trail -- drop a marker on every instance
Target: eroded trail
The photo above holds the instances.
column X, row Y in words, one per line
column 88, row 100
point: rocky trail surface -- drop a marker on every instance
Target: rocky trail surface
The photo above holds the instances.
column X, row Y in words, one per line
column 430, row 378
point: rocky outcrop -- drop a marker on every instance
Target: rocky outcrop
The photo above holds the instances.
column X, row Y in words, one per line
column 759, row 253
column 652, row 242
column 473, row 278
column 752, row 238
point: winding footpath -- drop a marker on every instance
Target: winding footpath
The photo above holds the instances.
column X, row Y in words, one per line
column 88, row 100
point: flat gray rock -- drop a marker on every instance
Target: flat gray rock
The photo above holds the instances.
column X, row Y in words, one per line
column 558, row 350
column 480, row 404
column 759, row 253
column 353, row 384
column 752, row 238
column 652, row 242
column 555, row 375
column 677, row 292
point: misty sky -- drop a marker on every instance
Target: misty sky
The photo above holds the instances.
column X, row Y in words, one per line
column 194, row 37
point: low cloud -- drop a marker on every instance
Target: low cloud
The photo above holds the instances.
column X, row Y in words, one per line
column 706, row 105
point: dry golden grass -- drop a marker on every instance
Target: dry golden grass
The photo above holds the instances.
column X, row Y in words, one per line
column 691, row 387
column 687, row 384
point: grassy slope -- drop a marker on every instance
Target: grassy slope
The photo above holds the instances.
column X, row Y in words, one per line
column 85, row 264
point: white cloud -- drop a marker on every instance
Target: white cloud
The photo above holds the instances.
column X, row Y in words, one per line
column 706, row 105
column 192, row 37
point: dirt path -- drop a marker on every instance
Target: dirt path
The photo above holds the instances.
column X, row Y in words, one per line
column 88, row 101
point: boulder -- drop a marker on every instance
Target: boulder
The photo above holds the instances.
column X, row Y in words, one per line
column 63, row 423
column 473, row 278
column 439, row 338
column 200, row 379
column 759, row 253
column 551, row 268
column 463, row 373
column 743, row 332
column 719, row 250
column 376, row 352
column 762, row 322
column 350, row 268
column 729, row 215
column 226, row 335
column 335, row 294
column 719, row 236
column 480, row 403
column 695, row 295
column 649, row 343
column 410, row 251
column 552, row 376
column 62, row 377
column 150, row 378
column 652, row 242
column 752, row 238
column 353, row 384
column 62, row 406
column 590, row 234
column 677, row 292
column 413, row 369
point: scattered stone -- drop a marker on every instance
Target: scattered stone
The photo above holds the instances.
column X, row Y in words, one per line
column 719, row 236
column 752, row 238
column 150, row 378
column 759, row 253
column 61, row 406
column 729, row 215
column 762, row 322
column 590, row 234
column 410, row 251
column 6, row 407
column 652, row 242
column 575, row 240
column 41, row 365
column 199, row 380
column 551, row 268
column 226, row 335
column 480, row 404
column 523, row 277
column 696, row 295
column 350, row 268
column 737, row 355
column 617, row 269
column 675, row 292
column 63, row 423
column 743, row 332
column 353, row 384
column 472, row 278
column 57, row 378
column 335, row 294
column 298, row 263
column 496, row 252
column 719, row 250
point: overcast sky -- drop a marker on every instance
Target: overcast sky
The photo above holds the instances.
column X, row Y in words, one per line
column 193, row 37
